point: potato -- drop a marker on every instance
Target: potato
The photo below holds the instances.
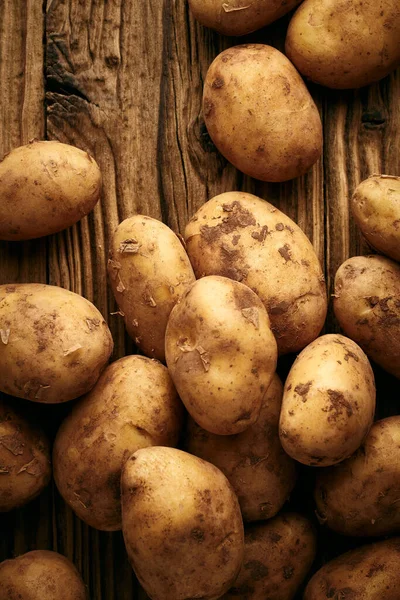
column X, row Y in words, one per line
column 360, row 497
column 221, row 354
column 367, row 306
column 181, row 523
column 328, row 402
column 260, row 472
column 260, row 114
column 149, row 272
column 133, row 405
column 345, row 43
column 25, row 468
column 240, row 236
column 277, row 557
column 44, row 188
column 376, row 209
column 53, row 343
column 40, row 575
column 369, row 572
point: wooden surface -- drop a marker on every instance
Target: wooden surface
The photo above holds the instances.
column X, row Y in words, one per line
column 123, row 79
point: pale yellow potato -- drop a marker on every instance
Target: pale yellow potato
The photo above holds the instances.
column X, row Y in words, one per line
column 259, row 113
column 254, row 462
column 45, row 187
column 328, row 402
column 53, row 343
column 133, row 405
column 149, row 272
column 221, row 354
column 367, row 305
column 345, row 43
column 182, row 525
column 240, row 236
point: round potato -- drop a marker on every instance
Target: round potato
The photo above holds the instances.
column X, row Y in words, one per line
column 133, row 405
column 367, row 306
column 240, row 236
column 376, row 209
column 40, row 575
column 260, row 114
column 328, row 402
column 182, row 525
column 149, row 272
column 221, row 354
column 44, row 188
column 53, row 343
column 25, row 468
column 345, row 43
column 254, row 462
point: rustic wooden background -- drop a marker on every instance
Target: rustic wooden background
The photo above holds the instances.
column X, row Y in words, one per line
column 123, row 79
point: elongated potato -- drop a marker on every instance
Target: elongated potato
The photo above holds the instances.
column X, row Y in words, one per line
column 53, row 343
column 182, row 526
column 328, row 402
column 149, row 272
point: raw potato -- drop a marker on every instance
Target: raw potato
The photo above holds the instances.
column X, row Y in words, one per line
column 345, row 43
column 328, row 402
column 40, row 575
column 360, row 497
column 260, row 114
column 53, row 343
column 221, row 354
column 182, row 525
column 25, row 468
column 367, row 306
column 149, row 272
column 277, row 557
column 376, row 209
column 44, row 188
column 260, row 472
column 240, row 236
column 133, row 405
column 367, row 573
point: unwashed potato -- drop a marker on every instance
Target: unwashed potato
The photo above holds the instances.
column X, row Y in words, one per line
column 345, row 43
column 44, row 188
column 133, row 405
column 240, row 236
column 367, row 306
column 182, row 525
column 370, row 572
column 328, row 402
column 25, row 468
column 221, row 354
column 260, row 114
column 376, row 209
column 360, row 497
column 254, row 462
column 53, row 343
column 41, row 575
column 149, row 272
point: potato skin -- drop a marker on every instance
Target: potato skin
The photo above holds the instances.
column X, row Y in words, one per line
column 54, row 343
column 328, row 402
column 254, row 462
column 41, row 575
column 45, row 187
column 221, row 354
column 260, row 114
column 149, row 272
column 133, row 405
column 367, row 305
column 182, row 525
column 25, row 468
column 329, row 41
column 240, row 236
